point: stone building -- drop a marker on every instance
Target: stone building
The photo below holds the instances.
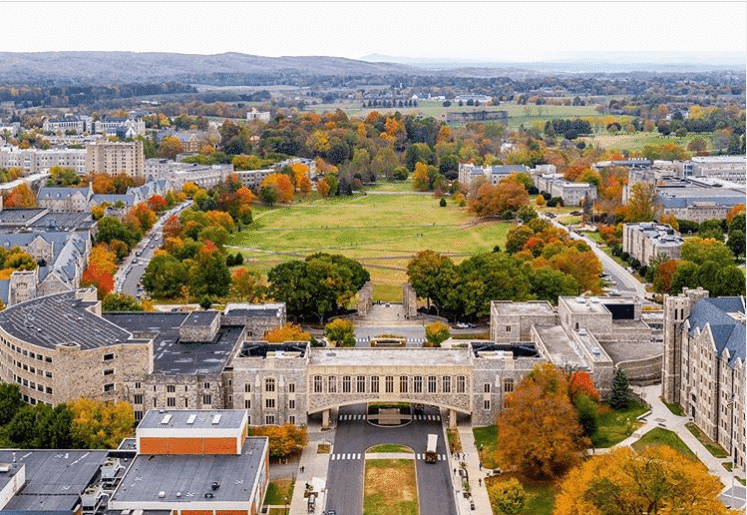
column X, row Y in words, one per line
column 469, row 173
column 178, row 173
column 33, row 161
column 115, row 158
column 572, row 193
column 704, row 364
column 727, row 168
column 645, row 241
column 698, row 200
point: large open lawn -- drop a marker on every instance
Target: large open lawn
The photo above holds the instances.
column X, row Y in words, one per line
column 660, row 436
column 382, row 231
column 390, row 488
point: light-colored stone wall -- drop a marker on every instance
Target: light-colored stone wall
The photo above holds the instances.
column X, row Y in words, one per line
column 174, row 391
column 409, row 301
column 365, row 299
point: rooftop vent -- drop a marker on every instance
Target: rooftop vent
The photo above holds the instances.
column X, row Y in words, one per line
column 166, row 419
column 216, row 420
column 161, row 494
column 191, row 419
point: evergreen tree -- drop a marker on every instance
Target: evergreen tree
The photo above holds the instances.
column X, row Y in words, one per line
column 620, row 390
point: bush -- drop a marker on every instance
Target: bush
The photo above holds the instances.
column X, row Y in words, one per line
column 588, row 417
column 435, row 333
column 340, row 332
column 625, row 256
column 442, row 202
column 508, row 214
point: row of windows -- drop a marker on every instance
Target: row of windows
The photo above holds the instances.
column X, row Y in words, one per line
column 407, row 384
column 32, row 384
column 270, row 386
column 33, row 370
column 137, row 399
column 169, row 388
column 32, row 355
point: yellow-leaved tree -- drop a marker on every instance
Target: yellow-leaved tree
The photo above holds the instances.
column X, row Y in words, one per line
column 658, row 480
column 288, row 333
column 100, row 424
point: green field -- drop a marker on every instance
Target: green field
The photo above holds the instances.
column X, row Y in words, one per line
column 616, row 425
column 382, row 231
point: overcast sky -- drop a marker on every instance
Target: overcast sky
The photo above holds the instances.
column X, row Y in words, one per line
column 476, row 31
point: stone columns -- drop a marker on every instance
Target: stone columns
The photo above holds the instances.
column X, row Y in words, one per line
column 452, row 419
column 325, row 418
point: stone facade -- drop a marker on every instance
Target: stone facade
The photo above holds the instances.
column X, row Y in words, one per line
column 365, row 299
column 572, row 193
column 409, row 301
column 645, row 241
column 257, row 318
column 115, row 158
column 704, row 364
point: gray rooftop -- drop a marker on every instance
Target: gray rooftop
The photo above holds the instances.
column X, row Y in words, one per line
column 60, row 319
column 269, row 309
column 192, row 476
column 507, row 308
column 591, row 305
column 388, row 357
column 169, row 355
column 201, row 318
column 230, row 418
column 55, row 479
column 559, row 346
column 727, row 326
column 19, row 216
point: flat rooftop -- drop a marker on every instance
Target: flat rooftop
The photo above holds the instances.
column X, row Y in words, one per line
column 559, row 346
column 202, row 419
column 192, row 476
column 200, row 318
column 584, row 305
column 170, row 356
column 60, row 319
column 625, row 351
column 55, row 479
column 408, row 356
column 507, row 308
column 255, row 310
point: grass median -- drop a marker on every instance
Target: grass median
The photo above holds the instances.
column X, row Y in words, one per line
column 390, row 488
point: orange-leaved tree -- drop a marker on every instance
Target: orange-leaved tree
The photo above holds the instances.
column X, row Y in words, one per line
column 286, row 440
column 508, row 195
column 282, row 186
column 288, row 333
column 580, row 382
column 538, row 428
column 658, row 480
column 21, row 197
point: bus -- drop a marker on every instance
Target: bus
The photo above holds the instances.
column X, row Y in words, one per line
column 430, row 451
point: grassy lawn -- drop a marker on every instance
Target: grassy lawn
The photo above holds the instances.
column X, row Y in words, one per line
column 659, row 436
column 278, row 490
column 455, row 443
column 713, row 447
column 569, row 220
column 640, row 139
column 390, row 488
column 383, row 232
column 593, row 236
column 389, row 447
column 540, row 495
column 675, row 408
column 486, row 441
column 616, row 426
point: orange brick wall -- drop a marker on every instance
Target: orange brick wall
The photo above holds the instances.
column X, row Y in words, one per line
column 150, row 445
column 197, row 512
column 230, row 512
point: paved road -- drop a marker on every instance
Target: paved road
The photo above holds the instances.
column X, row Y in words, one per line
column 354, row 435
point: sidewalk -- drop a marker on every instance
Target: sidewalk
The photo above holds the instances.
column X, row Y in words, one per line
column 472, row 460
column 313, row 465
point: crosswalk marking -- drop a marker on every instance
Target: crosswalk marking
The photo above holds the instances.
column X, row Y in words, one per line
column 357, row 456
column 351, row 417
column 427, row 417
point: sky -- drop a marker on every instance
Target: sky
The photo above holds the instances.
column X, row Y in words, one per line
column 480, row 31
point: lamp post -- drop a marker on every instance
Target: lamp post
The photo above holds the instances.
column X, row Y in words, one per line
column 286, row 506
column 733, row 450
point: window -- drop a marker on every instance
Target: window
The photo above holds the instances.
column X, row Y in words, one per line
column 446, row 384
column 186, row 402
column 317, row 384
column 109, row 387
column 247, row 404
column 49, row 390
column 508, row 385
column 486, row 388
column 207, row 399
column 460, row 384
column 137, row 399
column 155, row 403
column 389, row 384
column 171, row 388
column 206, row 386
column 138, row 415
column 249, row 420
column 331, row 384
column 431, row 384
column 247, row 387
column 292, row 404
column 403, row 384
column 269, row 385
column 486, row 404
column 361, row 384
column 292, row 419
column 108, row 357
column 417, row 384
column 171, row 402
column 374, row 384
column 269, row 403
column 291, row 387
column 508, row 328
column 269, row 419
column 345, row 384
column 137, row 386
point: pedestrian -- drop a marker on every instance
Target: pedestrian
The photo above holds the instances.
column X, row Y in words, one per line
column 455, row 472
column 479, row 467
column 302, row 469
column 479, row 481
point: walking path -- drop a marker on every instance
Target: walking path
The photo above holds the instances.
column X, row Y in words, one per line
column 476, row 476
column 312, row 465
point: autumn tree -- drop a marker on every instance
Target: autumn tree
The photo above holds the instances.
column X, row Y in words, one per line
column 281, row 185
column 120, row 302
column 284, row 441
column 100, row 424
column 340, row 332
column 700, row 250
column 287, row 333
column 420, row 179
column 157, row 203
column 100, row 279
column 507, row 497
column 170, row 147
column 643, row 204
column 322, row 186
column 508, row 195
column 247, row 286
column 20, row 197
column 622, row 482
column 538, row 428
column 436, row 333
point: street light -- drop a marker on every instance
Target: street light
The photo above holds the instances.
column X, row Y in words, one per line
column 733, row 450
column 286, row 505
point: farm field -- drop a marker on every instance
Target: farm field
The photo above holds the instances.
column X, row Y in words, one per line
column 382, row 231
column 637, row 141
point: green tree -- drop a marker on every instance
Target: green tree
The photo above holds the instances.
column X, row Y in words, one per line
column 341, row 332
column 208, row 273
column 549, row 284
column 111, row 228
column 731, row 282
column 699, row 251
column 432, row 276
column 164, row 277
column 63, row 177
column 588, row 417
column 686, row 275
column 620, row 397
column 436, row 333
column 507, row 497
column 120, row 302
column 419, row 153
column 10, row 402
